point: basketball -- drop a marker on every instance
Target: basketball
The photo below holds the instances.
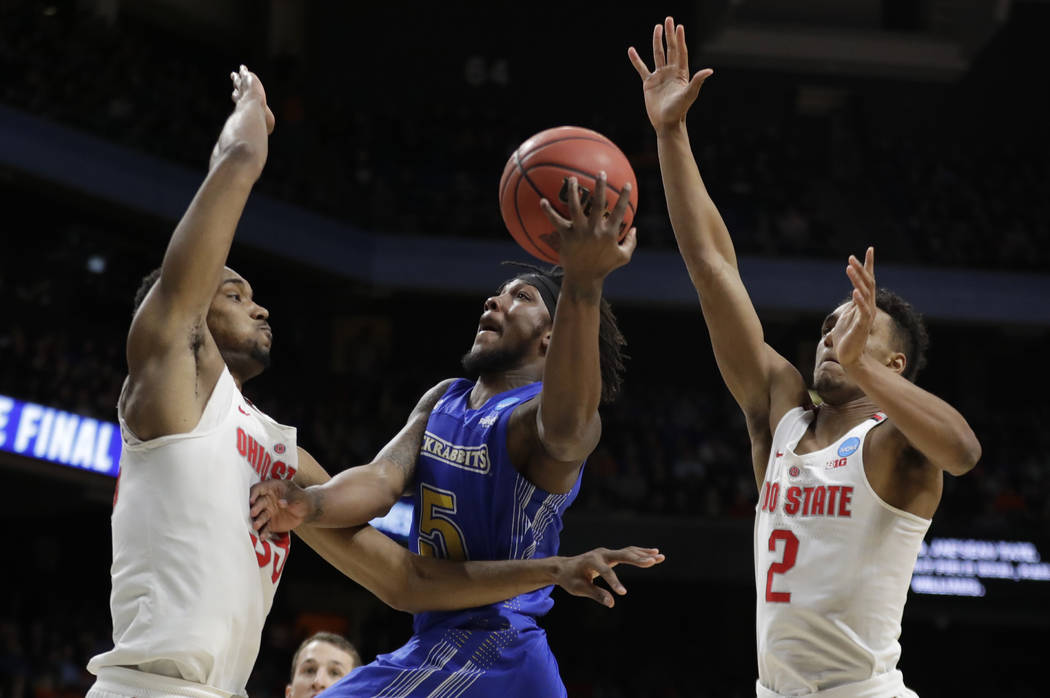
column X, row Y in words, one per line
column 540, row 169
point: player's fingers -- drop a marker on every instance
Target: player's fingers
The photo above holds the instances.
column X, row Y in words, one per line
column 599, row 198
column 869, row 261
column 261, row 519
column 671, row 38
column 683, row 50
column 638, row 63
column 607, row 573
column 659, row 59
column 620, row 210
column 575, row 208
column 629, row 243
column 555, row 218
column 697, row 82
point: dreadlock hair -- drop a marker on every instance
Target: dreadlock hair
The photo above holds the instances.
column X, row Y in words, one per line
column 331, row 639
column 147, row 283
column 909, row 329
column 611, row 341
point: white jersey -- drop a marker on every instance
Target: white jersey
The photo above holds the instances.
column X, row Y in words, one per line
column 833, row 563
column 192, row 584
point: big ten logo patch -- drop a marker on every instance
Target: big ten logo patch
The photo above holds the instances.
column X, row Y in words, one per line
column 273, row 551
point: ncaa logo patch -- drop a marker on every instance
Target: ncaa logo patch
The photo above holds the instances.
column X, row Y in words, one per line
column 849, row 446
column 507, row 402
column 278, row 448
column 793, row 471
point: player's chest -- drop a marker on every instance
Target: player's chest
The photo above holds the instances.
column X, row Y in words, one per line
column 823, row 485
column 262, row 449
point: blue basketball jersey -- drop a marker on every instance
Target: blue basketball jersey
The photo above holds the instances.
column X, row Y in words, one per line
column 472, row 504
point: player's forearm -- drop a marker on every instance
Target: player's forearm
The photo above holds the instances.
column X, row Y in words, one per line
column 572, row 380
column 698, row 226
column 442, row 585
column 195, row 257
column 353, row 497
column 931, row 425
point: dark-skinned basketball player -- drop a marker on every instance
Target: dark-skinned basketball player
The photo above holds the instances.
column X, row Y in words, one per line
column 192, row 583
column 500, row 462
column 847, row 487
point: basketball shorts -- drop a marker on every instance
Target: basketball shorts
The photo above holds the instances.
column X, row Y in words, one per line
column 513, row 661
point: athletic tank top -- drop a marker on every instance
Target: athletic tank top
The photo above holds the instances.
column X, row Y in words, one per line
column 472, row 504
column 192, row 584
column 832, row 566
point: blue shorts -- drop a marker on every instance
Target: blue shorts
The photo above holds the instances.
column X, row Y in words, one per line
column 508, row 662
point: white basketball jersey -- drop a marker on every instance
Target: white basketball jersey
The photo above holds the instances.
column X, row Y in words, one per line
column 833, row 563
column 192, row 584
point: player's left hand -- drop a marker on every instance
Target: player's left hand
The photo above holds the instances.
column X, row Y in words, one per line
column 589, row 239
column 850, row 334
column 577, row 574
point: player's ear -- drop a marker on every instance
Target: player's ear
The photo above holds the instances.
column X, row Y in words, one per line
column 288, row 691
column 897, row 362
column 545, row 343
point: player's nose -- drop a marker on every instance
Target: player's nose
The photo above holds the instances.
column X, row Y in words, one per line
column 260, row 313
column 492, row 303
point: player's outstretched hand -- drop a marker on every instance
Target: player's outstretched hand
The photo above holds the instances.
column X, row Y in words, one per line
column 248, row 86
column 577, row 574
column 277, row 506
column 849, row 336
column 590, row 245
column 668, row 89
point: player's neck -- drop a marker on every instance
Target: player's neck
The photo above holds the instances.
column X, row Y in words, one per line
column 496, row 383
column 833, row 420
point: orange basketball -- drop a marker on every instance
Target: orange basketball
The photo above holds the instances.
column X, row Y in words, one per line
column 540, row 169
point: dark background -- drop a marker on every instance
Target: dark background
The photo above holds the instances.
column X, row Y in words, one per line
column 394, row 121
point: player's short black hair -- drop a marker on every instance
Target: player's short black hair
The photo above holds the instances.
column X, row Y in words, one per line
column 909, row 330
column 330, row 638
column 147, row 283
column 611, row 341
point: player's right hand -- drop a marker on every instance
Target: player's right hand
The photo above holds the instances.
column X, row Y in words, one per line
column 248, row 86
column 277, row 506
column 576, row 575
column 669, row 91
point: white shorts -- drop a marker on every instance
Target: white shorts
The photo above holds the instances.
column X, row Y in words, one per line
column 888, row 685
column 118, row 682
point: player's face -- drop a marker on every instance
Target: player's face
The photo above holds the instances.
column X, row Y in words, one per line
column 830, row 381
column 319, row 666
column 239, row 326
column 514, row 330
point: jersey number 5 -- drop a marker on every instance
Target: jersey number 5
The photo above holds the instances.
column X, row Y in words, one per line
column 439, row 536
column 786, row 563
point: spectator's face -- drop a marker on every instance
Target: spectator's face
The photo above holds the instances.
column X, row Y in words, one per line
column 830, row 381
column 320, row 665
column 514, row 330
column 239, row 326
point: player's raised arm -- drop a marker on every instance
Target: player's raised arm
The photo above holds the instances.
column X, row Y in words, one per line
column 354, row 496
column 566, row 421
column 758, row 378
column 169, row 337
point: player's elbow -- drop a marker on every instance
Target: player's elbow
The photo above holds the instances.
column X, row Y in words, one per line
column 969, row 453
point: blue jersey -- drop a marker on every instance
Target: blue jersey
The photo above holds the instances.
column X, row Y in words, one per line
column 472, row 504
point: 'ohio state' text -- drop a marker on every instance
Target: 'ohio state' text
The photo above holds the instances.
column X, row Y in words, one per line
column 818, row 500
column 259, row 458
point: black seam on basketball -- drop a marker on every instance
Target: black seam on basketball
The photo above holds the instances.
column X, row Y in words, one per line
column 536, row 252
column 603, row 140
column 573, row 169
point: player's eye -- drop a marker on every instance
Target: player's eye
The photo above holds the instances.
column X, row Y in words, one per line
column 236, row 297
column 523, row 295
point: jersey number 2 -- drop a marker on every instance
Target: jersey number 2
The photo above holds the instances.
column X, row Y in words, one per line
column 439, row 536
column 786, row 563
